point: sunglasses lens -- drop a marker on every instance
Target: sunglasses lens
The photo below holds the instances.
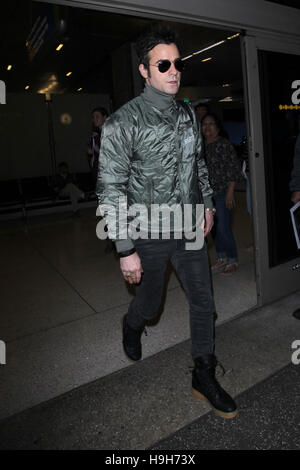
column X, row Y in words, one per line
column 179, row 65
column 164, row 65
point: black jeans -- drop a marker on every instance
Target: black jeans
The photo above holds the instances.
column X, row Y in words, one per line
column 193, row 270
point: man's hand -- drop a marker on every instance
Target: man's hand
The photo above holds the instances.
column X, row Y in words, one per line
column 131, row 268
column 295, row 196
column 209, row 222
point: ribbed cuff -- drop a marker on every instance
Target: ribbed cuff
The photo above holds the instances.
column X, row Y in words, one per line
column 208, row 203
column 124, row 254
column 124, row 245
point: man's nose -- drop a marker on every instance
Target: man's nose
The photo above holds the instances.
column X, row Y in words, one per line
column 172, row 69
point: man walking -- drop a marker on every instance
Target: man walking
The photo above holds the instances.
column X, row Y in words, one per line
column 151, row 154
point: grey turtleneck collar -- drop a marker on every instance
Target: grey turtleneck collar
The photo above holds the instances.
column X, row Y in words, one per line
column 158, row 99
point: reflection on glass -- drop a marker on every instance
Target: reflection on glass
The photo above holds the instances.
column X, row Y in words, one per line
column 280, row 115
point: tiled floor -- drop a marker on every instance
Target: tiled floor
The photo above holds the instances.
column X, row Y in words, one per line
column 142, row 405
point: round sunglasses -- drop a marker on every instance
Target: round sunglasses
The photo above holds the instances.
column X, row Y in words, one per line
column 164, row 65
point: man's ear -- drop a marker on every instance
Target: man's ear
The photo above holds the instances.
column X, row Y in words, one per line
column 143, row 71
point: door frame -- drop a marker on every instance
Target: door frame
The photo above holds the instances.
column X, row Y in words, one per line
column 279, row 281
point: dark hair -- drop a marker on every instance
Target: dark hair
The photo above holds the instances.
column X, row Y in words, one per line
column 216, row 119
column 101, row 110
column 158, row 34
column 202, row 105
column 219, row 124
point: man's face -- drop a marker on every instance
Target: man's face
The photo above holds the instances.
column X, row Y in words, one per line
column 169, row 81
column 98, row 119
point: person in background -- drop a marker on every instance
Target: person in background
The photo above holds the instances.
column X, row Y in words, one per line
column 224, row 170
column 295, row 189
column 149, row 153
column 99, row 115
column 201, row 110
column 65, row 187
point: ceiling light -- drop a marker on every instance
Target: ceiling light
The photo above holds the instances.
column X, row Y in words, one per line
column 211, row 46
column 59, row 47
column 50, row 85
column 205, row 60
column 228, row 98
column 232, row 37
column 68, row 74
column 205, row 49
column 79, row 89
column 9, row 67
column 27, row 87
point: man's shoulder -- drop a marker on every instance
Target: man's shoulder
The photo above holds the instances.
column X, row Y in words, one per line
column 127, row 111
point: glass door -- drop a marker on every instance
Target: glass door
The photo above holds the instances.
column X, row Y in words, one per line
column 272, row 72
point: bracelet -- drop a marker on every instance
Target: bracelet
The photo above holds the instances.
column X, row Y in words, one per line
column 123, row 254
column 213, row 210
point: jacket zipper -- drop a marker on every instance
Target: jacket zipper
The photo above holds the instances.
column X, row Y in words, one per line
column 178, row 161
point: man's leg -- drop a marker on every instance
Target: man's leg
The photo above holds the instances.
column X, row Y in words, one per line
column 154, row 255
column 192, row 268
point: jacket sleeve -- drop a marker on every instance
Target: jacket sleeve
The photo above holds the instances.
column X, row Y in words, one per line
column 295, row 176
column 113, row 175
column 203, row 178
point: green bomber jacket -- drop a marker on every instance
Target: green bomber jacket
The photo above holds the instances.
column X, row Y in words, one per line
column 149, row 157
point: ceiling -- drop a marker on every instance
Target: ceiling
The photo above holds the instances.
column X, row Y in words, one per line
column 90, row 38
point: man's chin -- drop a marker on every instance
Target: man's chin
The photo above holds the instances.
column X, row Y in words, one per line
column 172, row 89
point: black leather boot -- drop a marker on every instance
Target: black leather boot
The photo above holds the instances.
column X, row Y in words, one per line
column 132, row 340
column 206, row 387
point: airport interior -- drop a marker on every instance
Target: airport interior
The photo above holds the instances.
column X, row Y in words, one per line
column 67, row 383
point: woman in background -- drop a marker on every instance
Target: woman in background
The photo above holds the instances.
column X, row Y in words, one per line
column 224, row 170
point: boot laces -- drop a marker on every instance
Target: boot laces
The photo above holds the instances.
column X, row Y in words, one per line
column 218, row 365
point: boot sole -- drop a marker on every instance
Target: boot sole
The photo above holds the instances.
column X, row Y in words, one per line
column 222, row 414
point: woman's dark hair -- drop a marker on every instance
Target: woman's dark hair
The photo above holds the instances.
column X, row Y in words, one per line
column 158, row 34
